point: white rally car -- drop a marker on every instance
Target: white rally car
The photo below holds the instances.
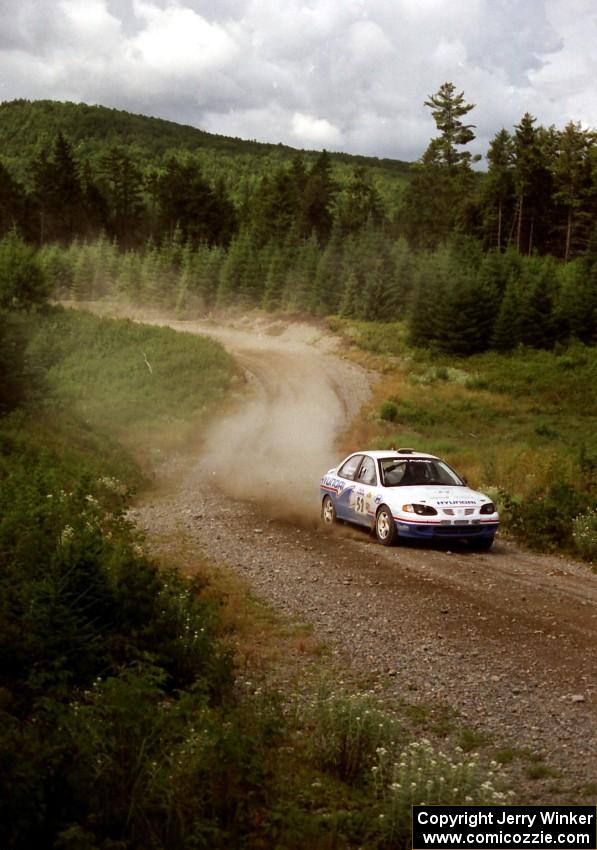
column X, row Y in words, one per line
column 407, row 494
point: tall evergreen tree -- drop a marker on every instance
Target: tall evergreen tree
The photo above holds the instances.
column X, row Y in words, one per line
column 498, row 191
column 329, row 276
column 577, row 303
column 298, row 294
column 123, row 190
column 58, row 193
column 189, row 203
column 275, row 277
column 434, row 198
column 359, row 203
column 574, row 186
column 506, row 333
column 538, row 287
column 533, row 184
column 350, row 302
column 425, row 312
column 240, row 277
column 315, row 211
column 448, row 109
column 12, row 202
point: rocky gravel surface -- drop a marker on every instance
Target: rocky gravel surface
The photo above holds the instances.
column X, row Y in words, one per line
column 423, row 625
column 505, row 639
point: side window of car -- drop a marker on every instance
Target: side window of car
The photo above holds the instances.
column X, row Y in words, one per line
column 348, row 469
column 367, row 471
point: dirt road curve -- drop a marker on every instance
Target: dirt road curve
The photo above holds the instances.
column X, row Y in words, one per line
column 507, row 638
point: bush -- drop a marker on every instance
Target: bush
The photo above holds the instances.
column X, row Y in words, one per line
column 22, row 281
column 347, row 730
column 388, row 411
column 584, row 533
column 544, row 519
column 15, row 377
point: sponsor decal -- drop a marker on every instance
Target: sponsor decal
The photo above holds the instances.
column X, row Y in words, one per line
column 335, row 485
column 446, row 502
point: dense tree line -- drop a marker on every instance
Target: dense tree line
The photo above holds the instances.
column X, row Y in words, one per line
column 539, row 194
column 472, row 260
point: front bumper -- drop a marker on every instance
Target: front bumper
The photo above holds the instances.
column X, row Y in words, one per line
column 445, row 531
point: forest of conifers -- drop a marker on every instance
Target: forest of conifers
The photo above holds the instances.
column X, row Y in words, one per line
column 172, row 216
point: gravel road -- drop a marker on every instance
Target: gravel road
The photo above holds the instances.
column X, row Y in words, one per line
column 506, row 638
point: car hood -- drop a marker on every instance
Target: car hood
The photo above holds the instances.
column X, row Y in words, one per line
column 437, row 495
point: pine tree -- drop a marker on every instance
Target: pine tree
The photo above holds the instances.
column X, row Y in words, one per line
column 507, row 326
column 538, row 286
column 359, row 204
column 129, row 280
column 123, row 190
column 498, row 191
column 94, row 204
column 467, row 315
column 381, row 289
column 403, row 274
column 448, row 110
column 443, row 181
column 300, row 278
column 276, row 203
column 83, row 273
column 315, row 210
column 350, row 302
column 577, row 302
column 58, row 193
column 574, row 186
column 425, row 311
column 240, row 278
column 12, row 202
column 329, row 276
column 275, row 276
column 532, row 184
column 188, row 203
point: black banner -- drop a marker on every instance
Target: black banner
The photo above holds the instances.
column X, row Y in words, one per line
column 504, row 827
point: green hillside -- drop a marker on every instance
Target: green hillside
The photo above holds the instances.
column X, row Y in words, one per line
column 27, row 127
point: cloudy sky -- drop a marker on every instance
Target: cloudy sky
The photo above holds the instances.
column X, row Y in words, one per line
column 347, row 75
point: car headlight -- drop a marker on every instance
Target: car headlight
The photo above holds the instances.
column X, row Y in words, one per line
column 488, row 508
column 422, row 510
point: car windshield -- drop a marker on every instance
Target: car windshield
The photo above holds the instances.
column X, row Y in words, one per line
column 417, row 471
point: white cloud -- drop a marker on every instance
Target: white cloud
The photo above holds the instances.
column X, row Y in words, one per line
column 314, row 132
column 177, row 41
column 342, row 74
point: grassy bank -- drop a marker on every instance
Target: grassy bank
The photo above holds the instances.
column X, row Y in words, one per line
column 521, row 426
column 139, row 384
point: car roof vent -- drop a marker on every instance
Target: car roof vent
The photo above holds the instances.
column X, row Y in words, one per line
column 406, row 451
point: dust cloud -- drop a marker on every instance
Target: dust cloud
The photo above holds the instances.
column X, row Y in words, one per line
column 273, row 447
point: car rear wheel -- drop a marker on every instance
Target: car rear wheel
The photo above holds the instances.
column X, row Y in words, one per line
column 385, row 527
column 328, row 511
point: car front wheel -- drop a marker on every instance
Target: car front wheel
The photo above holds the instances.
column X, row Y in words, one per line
column 328, row 511
column 385, row 527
